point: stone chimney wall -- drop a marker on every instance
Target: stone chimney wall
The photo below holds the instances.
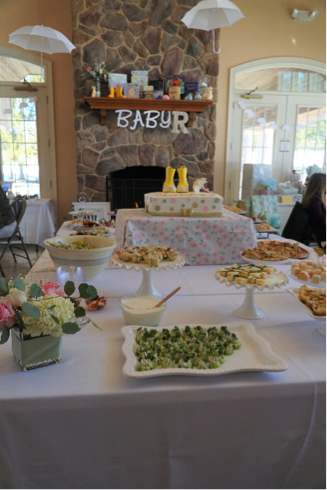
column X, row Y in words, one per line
column 139, row 35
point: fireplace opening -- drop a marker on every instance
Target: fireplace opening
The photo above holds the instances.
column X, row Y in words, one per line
column 125, row 188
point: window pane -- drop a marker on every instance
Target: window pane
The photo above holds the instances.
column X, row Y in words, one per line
column 258, row 136
column 282, row 80
column 15, row 70
column 310, row 140
column 19, row 145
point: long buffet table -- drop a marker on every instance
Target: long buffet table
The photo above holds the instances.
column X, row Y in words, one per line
column 83, row 424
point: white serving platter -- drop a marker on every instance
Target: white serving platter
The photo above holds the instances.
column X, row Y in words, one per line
column 295, row 293
column 270, row 230
column 321, row 285
column 276, row 262
column 165, row 264
column 273, row 280
column 235, row 212
column 82, row 213
column 254, row 355
column 79, row 226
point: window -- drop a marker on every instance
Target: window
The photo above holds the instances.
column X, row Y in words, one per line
column 310, row 139
column 19, row 145
column 14, row 69
column 281, row 79
column 27, row 146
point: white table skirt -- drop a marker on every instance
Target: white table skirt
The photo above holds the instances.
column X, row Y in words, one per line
column 82, row 424
column 38, row 223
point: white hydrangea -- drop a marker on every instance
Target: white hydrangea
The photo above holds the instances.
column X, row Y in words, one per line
column 64, row 311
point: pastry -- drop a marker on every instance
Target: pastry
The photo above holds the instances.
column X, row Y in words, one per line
column 316, row 279
column 303, row 276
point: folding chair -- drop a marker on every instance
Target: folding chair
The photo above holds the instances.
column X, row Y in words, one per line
column 16, row 241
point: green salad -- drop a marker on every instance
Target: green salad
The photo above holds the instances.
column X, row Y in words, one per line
column 191, row 348
column 78, row 245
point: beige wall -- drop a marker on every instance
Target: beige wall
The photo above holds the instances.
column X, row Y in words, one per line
column 267, row 31
column 56, row 14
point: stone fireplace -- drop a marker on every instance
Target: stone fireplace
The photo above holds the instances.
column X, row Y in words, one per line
column 139, row 35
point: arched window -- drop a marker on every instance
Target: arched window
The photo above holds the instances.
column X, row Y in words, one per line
column 27, row 158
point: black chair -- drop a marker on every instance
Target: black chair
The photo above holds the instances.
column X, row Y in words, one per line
column 15, row 241
column 298, row 227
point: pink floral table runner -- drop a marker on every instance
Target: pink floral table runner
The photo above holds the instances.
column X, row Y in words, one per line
column 201, row 241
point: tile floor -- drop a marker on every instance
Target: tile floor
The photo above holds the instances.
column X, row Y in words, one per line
column 12, row 269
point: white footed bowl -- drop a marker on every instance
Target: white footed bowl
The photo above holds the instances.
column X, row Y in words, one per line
column 92, row 261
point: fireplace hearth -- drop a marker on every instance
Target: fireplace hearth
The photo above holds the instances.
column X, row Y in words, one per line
column 125, row 188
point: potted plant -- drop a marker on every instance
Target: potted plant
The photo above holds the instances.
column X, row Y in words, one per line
column 37, row 315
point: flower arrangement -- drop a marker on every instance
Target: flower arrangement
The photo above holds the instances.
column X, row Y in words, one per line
column 41, row 309
column 97, row 71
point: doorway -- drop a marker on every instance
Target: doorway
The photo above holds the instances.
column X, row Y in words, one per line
column 27, row 146
column 283, row 122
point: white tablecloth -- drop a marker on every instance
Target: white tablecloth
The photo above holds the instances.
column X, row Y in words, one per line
column 38, row 223
column 82, row 424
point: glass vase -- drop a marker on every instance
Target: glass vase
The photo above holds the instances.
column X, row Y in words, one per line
column 35, row 352
column 98, row 87
column 203, row 88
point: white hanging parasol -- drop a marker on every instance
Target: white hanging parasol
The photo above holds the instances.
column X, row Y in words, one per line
column 212, row 14
column 43, row 39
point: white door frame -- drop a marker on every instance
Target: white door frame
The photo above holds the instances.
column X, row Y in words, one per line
column 302, row 63
column 48, row 174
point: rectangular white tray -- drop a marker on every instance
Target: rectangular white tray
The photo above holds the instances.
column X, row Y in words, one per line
column 254, row 355
column 295, row 292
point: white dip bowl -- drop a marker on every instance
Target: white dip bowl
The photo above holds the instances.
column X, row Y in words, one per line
column 92, row 261
column 140, row 310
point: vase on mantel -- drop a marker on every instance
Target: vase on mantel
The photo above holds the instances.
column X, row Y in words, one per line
column 98, row 87
column 35, row 352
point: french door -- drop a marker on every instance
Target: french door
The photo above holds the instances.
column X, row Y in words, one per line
column 283, row 131
column 25, row 142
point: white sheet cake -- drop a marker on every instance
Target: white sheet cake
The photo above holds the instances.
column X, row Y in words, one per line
column 183, row 204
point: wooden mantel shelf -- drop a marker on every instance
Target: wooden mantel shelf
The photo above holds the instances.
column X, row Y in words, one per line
column 105, row 103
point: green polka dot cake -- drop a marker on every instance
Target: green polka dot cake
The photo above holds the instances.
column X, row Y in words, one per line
column 183, row 204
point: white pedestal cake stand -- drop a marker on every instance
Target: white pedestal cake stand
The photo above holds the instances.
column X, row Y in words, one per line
column 147, row 287
column 248, row 310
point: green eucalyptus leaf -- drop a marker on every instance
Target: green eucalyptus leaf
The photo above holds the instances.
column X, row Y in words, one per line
column 55, row 319
column 30, row 310
column 69, row 288
column 3, row 285
column 5, row 334
column 51, row 307
column 18, row 283
column 91, row 290
column 36, row 291
column 83, row 290
column 70, row 328
column 79, row 312
column 96, row 326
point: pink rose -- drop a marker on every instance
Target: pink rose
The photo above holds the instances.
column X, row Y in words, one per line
column 51, row 288
column 88, row 68
column 7, row 315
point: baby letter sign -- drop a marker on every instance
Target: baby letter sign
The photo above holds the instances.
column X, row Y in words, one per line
column 151, row 119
